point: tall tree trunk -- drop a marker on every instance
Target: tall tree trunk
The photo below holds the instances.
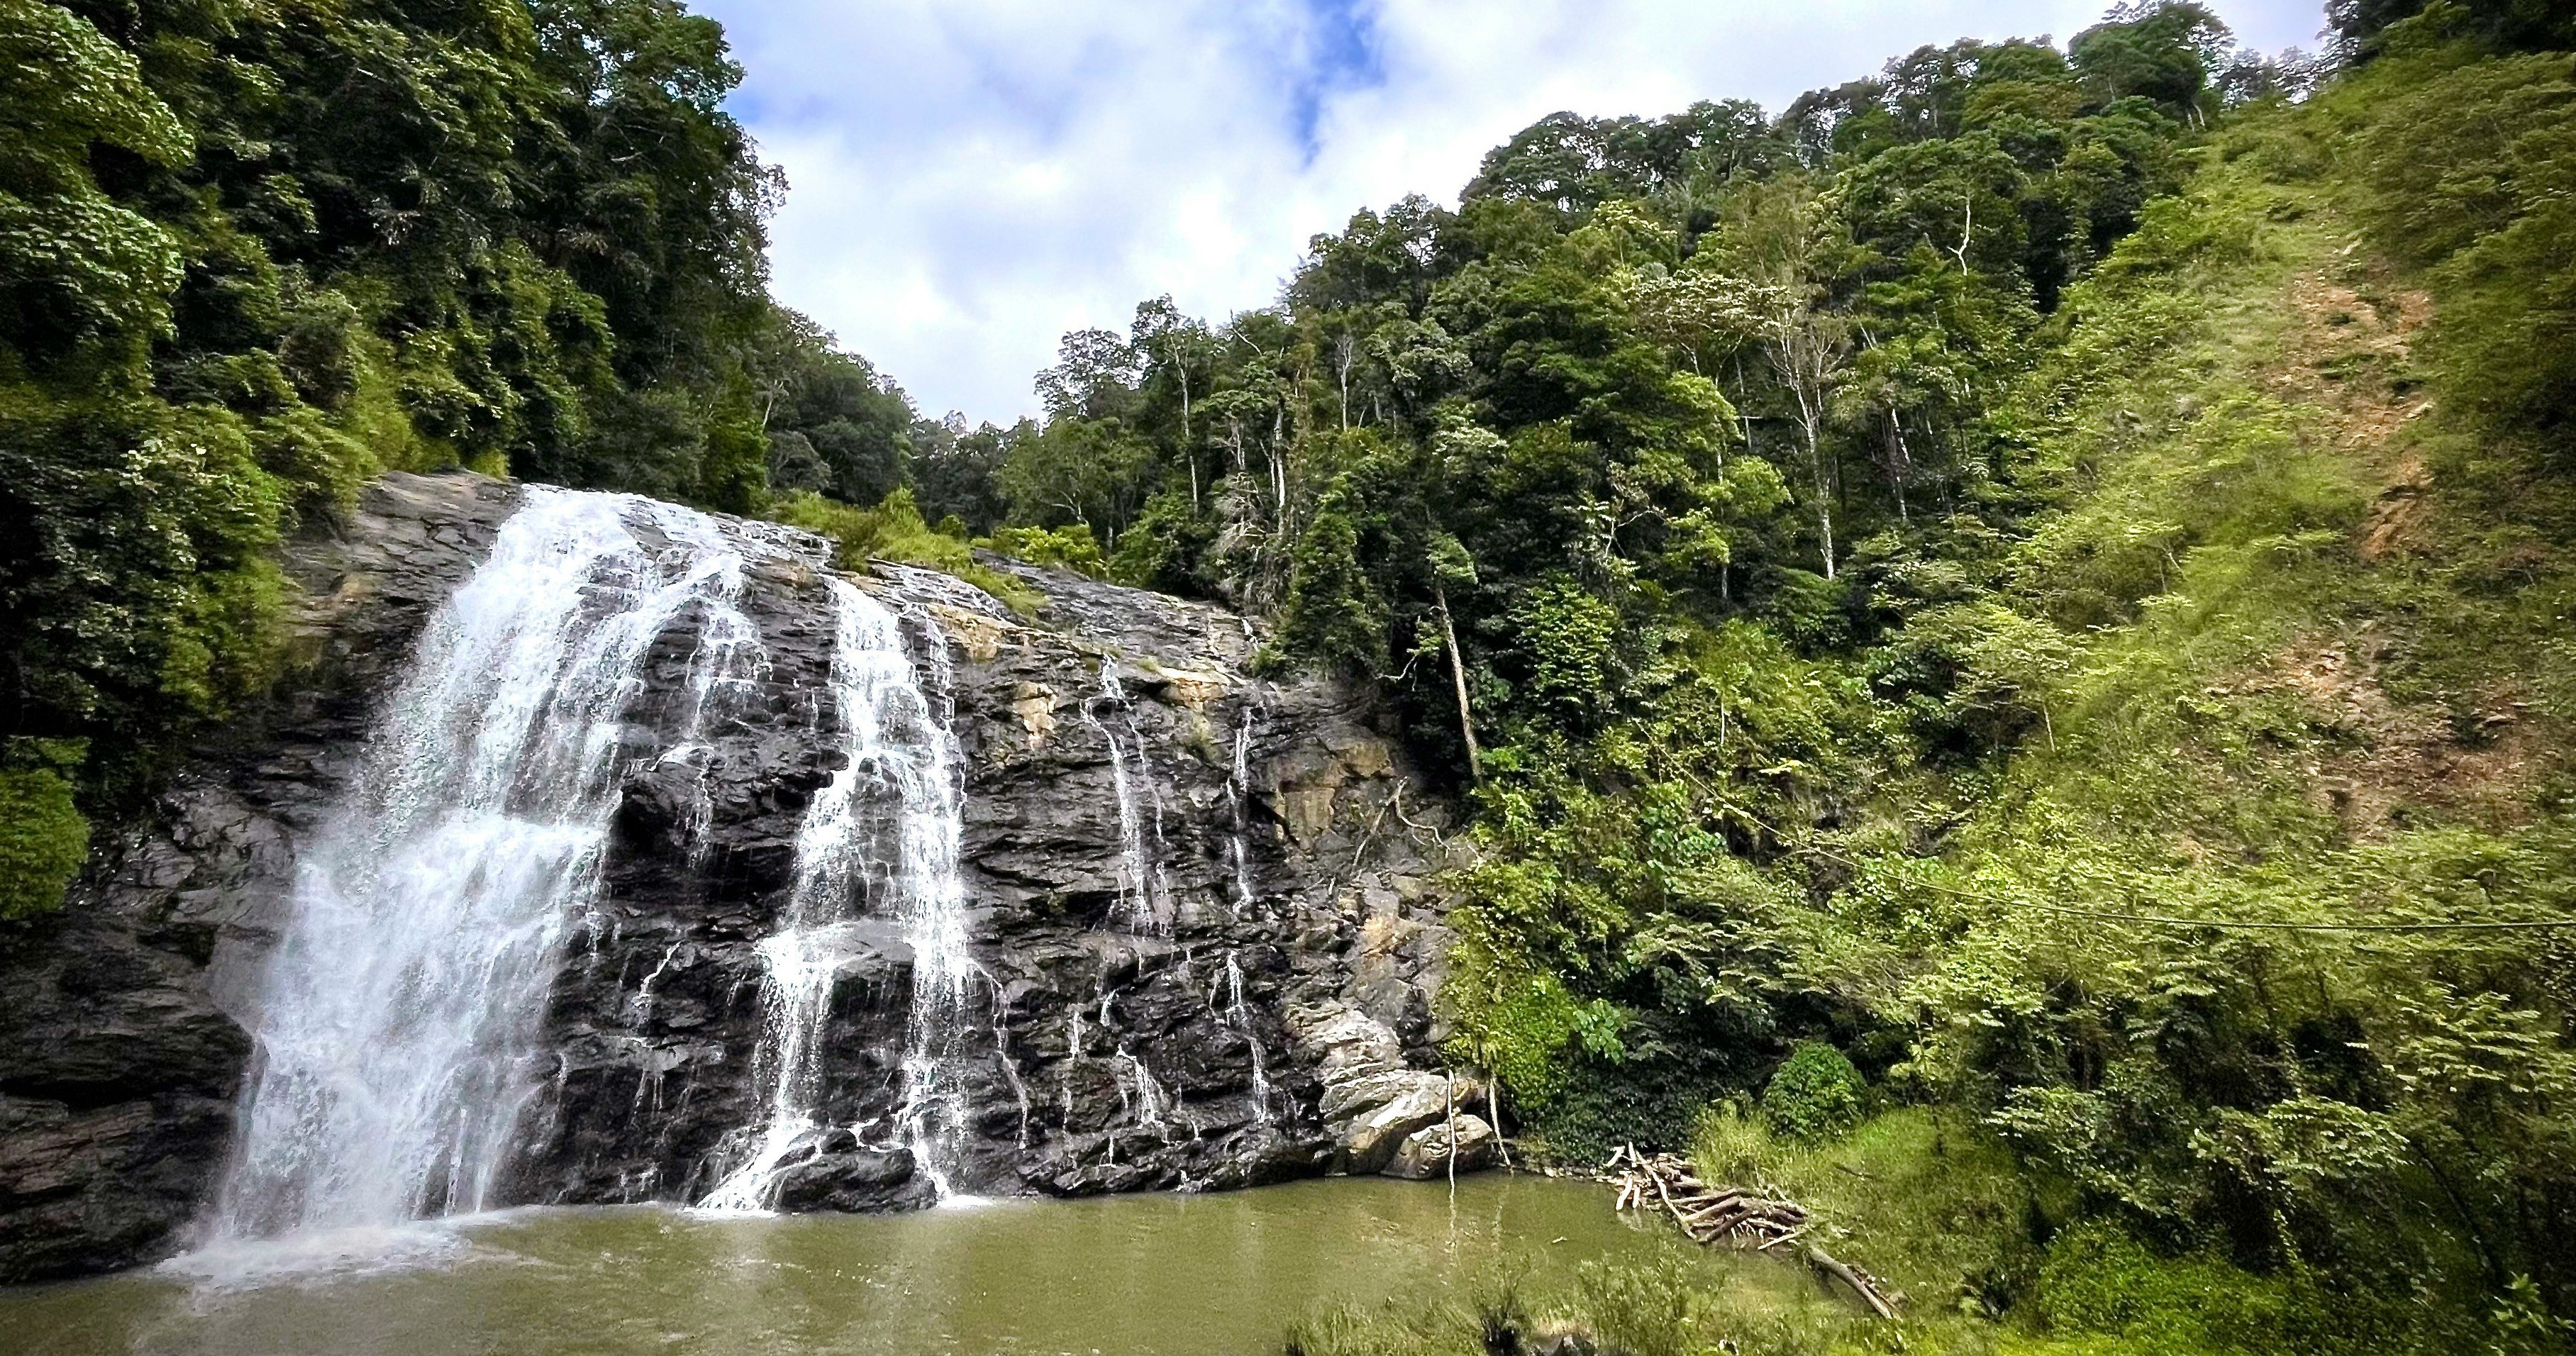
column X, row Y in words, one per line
column 1344, row 354
column 1457, row 679
column 1899, row 465
column 1279, row 470
column 1809, row 412
column 1743, row 393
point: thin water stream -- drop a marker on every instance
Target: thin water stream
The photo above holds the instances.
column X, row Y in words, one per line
column 1130, row 1276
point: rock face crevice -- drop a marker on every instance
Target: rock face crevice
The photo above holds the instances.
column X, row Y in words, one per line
column 1223, row 976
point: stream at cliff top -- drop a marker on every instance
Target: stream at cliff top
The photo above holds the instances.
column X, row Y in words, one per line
column 1124, row 1276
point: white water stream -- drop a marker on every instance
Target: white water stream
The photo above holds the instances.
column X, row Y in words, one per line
column 899, row 764
column 1144, row 904
column 1238, row 1015
column 399, row 1027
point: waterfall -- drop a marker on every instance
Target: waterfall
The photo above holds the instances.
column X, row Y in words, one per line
column 1238, row 792
column 1144, row 897
column 934, row 925
column 400, row 1021
column 1238, row 1014
column 1141, row 1094
column 725, row 672
column 895, row 747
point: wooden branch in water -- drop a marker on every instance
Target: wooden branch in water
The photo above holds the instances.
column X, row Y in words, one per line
column 1861, row 1282
column 1739, row 1216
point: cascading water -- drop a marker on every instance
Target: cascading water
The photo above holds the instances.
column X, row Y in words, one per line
column 1238, row 792
column 1238, row 1015
column 398, row 1028
column 1238, row 1011
column 724, row 673
column 934, row 924
column 896, row 748
column 1144, row 897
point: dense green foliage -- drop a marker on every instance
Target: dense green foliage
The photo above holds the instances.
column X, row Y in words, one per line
column 893, row 530
column 1815, row 1093
column 1972, row 573
column 43, row 839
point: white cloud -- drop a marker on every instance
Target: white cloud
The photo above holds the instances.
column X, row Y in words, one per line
column 971, row 178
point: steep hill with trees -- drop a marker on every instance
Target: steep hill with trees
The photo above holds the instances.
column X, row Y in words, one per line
column 2040, row 572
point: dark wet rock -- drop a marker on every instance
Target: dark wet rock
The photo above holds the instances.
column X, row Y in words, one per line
column 1286, row 956
column 852, row 1180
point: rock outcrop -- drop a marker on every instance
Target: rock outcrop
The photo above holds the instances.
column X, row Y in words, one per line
column 1200, row 904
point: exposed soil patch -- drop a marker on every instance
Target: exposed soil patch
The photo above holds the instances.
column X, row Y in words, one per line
column 2372, row 761
column 2350, row 354
column 2375, row 761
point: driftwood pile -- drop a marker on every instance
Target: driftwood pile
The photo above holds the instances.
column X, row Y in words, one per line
column 1735, row 1215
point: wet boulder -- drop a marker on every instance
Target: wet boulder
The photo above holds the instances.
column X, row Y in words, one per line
column 851, row 1180
column 1461, row 1144
column 1421, row 1099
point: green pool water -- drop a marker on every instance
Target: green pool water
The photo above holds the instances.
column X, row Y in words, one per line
column 1125, row 1276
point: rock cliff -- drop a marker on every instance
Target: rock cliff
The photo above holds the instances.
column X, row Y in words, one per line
column 1199, row 903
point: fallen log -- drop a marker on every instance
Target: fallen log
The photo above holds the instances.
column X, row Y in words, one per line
column 1737, row 1215
column 1861, row 1282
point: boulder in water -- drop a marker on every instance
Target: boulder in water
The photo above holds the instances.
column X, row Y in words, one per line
column 1414, row 1100
column 1430, row 1151
column 855, row 1180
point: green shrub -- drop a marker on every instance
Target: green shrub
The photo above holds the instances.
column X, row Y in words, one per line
column 894, row 530
column 43, row 840
column 1067, row 548
column 1815, row 1094
column 2099, row 1283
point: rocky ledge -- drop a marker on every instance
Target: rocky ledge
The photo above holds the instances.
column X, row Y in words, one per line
column 1258, row 1006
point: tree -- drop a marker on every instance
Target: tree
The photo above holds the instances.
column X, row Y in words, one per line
column 828, row 407
column 1781, row 250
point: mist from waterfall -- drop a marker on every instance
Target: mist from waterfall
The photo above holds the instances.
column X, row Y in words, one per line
column 399, row 1028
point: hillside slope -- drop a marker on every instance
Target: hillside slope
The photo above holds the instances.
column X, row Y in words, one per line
column 2184, row 870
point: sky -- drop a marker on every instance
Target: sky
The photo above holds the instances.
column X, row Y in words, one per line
column 969, row 179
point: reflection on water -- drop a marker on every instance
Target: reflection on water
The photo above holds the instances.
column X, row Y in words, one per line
column 1128, row 1276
